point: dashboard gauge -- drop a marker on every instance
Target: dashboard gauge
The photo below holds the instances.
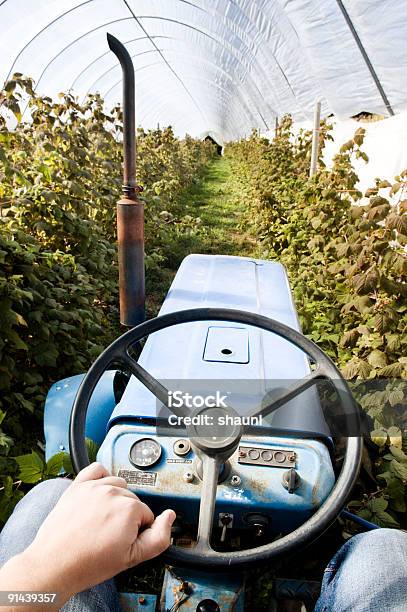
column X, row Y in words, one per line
column 145, row 453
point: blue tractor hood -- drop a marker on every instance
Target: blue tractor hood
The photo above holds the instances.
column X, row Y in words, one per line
column 251, row 361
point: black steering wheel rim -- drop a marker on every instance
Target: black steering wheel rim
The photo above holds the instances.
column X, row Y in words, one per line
column 308, row 531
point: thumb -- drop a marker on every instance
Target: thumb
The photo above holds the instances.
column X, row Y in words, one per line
column 153, row 540
column 94, row 471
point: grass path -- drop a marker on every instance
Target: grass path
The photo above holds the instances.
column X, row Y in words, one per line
column 217, row 201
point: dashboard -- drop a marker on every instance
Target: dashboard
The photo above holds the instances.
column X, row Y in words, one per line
column 269, row 486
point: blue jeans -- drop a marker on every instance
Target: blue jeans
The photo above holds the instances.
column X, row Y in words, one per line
column 368, row 574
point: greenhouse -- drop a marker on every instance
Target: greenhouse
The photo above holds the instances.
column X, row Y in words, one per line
column 203, row 314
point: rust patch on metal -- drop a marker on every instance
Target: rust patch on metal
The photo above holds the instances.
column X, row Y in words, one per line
column 260, row 488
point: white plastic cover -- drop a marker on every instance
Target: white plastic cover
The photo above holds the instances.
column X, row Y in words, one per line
column 384, row 144
column 216, row 66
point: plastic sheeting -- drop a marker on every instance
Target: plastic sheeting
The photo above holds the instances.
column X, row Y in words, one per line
column 217, row 66
column 384, row 144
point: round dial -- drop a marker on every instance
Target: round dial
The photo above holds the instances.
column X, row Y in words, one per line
column 145, row 452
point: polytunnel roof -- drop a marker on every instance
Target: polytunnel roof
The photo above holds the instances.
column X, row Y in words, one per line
column 220, row 67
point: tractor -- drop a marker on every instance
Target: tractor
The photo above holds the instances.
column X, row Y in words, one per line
column 212, row 409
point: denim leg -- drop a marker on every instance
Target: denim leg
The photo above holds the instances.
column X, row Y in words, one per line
column 368, row 574
column 28, row 515
column 21, row 528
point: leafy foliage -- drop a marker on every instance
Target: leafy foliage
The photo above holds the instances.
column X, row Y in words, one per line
column 345, row 255
column 60, row 176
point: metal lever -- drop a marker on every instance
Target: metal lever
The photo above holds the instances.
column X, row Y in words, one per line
column 225, row 521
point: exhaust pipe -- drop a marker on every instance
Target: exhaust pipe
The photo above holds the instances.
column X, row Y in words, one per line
column 130, row 209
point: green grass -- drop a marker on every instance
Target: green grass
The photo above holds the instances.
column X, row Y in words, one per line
column 216, row 200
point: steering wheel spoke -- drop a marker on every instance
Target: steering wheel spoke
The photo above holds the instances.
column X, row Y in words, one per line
column 210, row 469
column 286, row 395
column 157, row 389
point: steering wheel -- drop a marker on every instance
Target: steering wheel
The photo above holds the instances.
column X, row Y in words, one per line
column 214, row 452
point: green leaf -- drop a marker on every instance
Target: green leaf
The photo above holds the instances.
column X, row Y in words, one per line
column 377, row 504
column 397, row 222
column 25, row 403
column 393, row 370
column 398, row 454
column 10, row 85
column 47, row 356
column 387, row 476
column 350, row 337
column 18, row 343
column 54, row 465
column 396, row 397
column 397, row 493
column 356, row 367
column 365, row 513
column 384, row 519
column 377, row 359
column 5, row 443
column 9, row 498
column 399, row 470
column 31, row 467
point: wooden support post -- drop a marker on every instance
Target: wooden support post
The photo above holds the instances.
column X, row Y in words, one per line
column 315, row 140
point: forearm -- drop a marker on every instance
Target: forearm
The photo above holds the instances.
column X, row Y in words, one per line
column 24, row 573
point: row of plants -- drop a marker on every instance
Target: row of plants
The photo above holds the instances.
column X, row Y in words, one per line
column 60, row 176
column 345, row 253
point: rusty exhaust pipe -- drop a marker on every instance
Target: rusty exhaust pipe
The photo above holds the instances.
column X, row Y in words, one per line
column 130, row 209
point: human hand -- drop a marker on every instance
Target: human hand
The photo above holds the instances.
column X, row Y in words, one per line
column 97, row 529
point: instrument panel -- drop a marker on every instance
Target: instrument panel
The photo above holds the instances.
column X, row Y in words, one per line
column 281, row 481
